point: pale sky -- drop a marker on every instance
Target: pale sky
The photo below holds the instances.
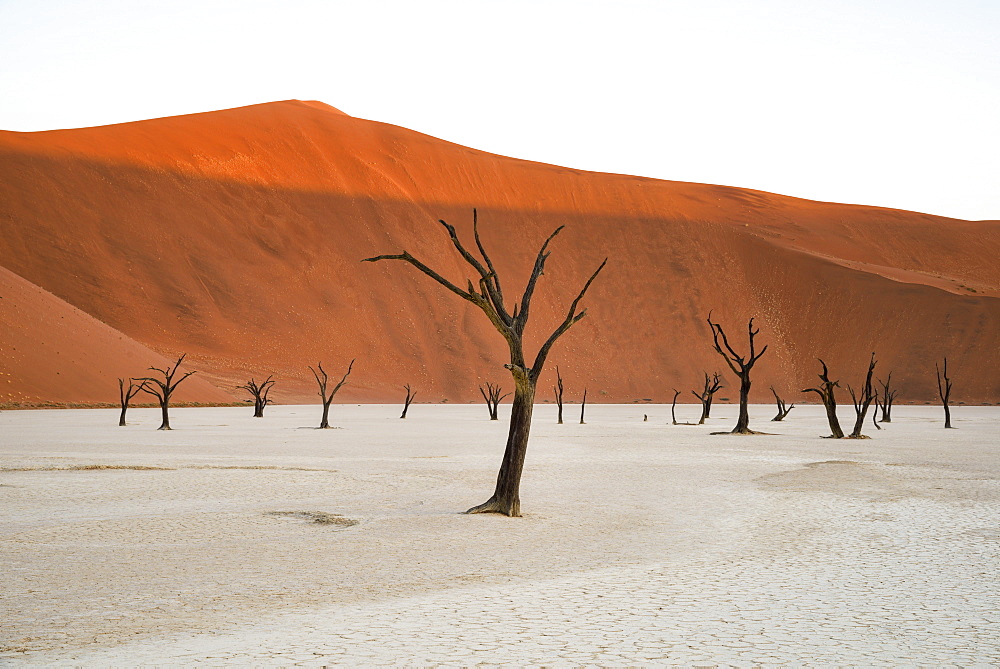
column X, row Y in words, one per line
column 889, row 103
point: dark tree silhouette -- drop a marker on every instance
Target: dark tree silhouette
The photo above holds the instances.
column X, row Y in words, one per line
column 884, row 402
column 783, row 410
column 558, row 390
column 741, row 367
column 409, row 398
column 125, row 395
column 328, row 398
column 862, row 401
column 944, row 391
column 673, row 408
column 163, row 388
column 510, row 324
column 259, row 393
column 712, row 386
column 826, row 393
column 492, row 396
column 583, row 406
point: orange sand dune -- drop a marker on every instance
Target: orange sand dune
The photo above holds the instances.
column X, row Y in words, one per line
column 53, row 352
column 236, row 236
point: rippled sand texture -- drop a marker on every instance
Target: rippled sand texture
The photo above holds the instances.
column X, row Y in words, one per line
column 238, row 540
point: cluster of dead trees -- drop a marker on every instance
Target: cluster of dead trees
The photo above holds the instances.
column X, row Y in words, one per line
column 162, row 387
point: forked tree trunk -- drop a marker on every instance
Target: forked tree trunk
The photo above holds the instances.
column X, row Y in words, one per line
column 944, row 392
column 826, row 394
column 783, row 410
column 409, row 398
column 862, row 403
column 163, row 389
column 583, row 406
column 165, row 413
column 121, row 418
column 325, row 423
column 559, row 394
column 741, row 366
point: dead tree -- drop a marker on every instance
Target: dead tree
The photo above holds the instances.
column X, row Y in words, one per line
column 741, row 367
column 125, row 395
column 492, row 396
column 944, row 391
column 826, row 393
column 259, row 392
column 673, row 407
column 487, row 294
column 583, row 406
column 862, row 401
column 558, row 390
column 782, row 409
column 712, row 386
column 888, row 396
column 328, row 399
column 409, row 398
column 163, row 388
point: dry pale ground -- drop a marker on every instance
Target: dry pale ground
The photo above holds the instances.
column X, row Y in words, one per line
column 642, row 543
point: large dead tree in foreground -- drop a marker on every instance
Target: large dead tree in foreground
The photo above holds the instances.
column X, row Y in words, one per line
column 783, row 410
column 741, row 366
column 944, row 391
column 712, row 386
column 492, row 396
column 826, row 393
column 259, row 392
column 487, row 294
column 328, row 397
column 125, row 396
column 163, row 388
column 862, row 401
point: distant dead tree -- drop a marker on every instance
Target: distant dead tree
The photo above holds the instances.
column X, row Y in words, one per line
column 825, row 390
column 944, row 391
column 259, row 393
column 558, row 390
column 862, row 401
column 673, row 410
column 741, row 367
column 328, row 398
column 125, row 395
column 409, row 398
column 782, row 409
column 163, row 388
column 712, row 386
column 885, row 400
column 583, row 406
column 489, row 297
column 492, row 396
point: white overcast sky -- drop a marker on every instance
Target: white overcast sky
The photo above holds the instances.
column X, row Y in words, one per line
column 890, row 103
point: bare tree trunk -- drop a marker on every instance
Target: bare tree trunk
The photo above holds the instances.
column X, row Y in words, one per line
column 325, row 422
column 783, row 410
column 741, row 366
column 944, row 392
column 826, row 394
column 559, row 394
column 673, row 407
column 862, row 403
column 885, row 401
column 492, row 396
column 163, row 389
column 409, row 398
column 583, row 406
column 506, row 498
column 321, row 380
column 125, row 395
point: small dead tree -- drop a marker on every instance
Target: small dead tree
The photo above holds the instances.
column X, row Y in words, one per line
column 328, row 398
column 944, row 391
column 862, row 401
column 712, row 386
column 673, row 408
column 884, row 402
column 492, row 396
column 163, row 388
column 782, row 409
column 259, row 393
column 826, row 393
column 125, row 396
column 558, row 390
column 583, row 406
column 409, row 398
column 489, row 297
column 741, row 367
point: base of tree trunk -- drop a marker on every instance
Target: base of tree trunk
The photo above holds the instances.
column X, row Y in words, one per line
column 164, row 427
column 493, row 506
column 743, row 433
column 832, row 436
column 857, row 436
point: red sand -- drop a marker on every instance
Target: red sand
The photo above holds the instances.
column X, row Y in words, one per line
column 236, row 236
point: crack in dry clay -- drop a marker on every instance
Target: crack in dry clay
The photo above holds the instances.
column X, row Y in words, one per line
column 318, row 517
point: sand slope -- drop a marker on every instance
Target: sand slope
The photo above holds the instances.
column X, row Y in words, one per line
column 236, row 236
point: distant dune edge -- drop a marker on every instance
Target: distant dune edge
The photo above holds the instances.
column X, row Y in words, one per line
column 236, row 236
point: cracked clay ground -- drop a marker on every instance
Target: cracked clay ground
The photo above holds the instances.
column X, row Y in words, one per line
column 642, row 543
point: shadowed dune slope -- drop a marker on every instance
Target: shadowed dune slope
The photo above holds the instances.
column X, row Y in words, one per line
column 237, row 236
